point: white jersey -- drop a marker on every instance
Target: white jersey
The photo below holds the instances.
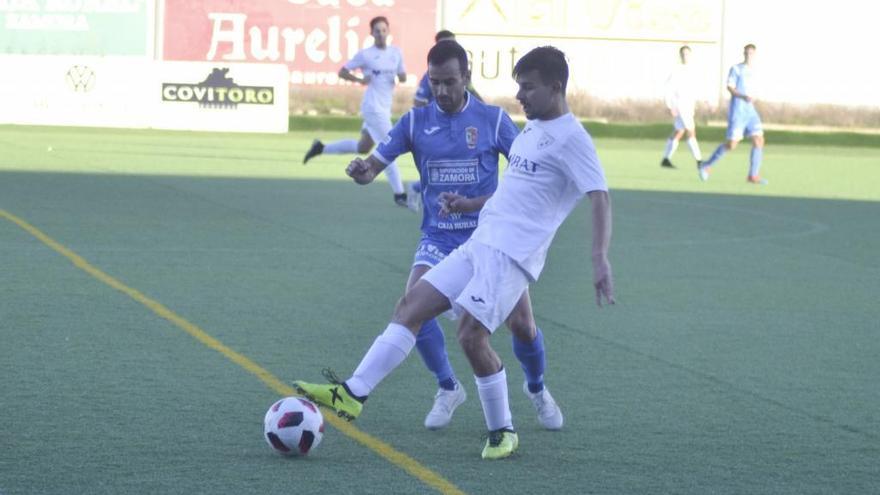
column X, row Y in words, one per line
column 552, row 165
column 681, row 89
column 382, row 65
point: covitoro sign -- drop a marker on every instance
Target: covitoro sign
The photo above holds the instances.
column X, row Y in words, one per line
column 218, row 90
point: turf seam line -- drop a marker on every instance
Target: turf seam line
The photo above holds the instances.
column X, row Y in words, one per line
column 399, row 459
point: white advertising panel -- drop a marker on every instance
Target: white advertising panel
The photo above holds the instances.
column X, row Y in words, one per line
column 124, row 92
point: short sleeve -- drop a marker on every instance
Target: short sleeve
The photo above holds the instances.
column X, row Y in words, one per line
column 397, row 142
column 505, row 132
column 584, row 169
column 732, row 77
column 357, row 62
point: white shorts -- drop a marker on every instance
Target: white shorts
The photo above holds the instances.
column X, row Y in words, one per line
column 377, row 125
column 480, row 280
column 684, row 121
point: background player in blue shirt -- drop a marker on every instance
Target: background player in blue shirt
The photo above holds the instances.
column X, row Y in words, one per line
column 742, row 118
column 455, row 144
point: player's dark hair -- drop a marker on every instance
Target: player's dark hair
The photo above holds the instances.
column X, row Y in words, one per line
column 444, row 34
column 550, row 63
column 447, row 50
column 378, row 19
column 749, row 47
column 683, row 48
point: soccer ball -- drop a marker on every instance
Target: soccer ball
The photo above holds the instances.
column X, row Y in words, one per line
column 293, row 426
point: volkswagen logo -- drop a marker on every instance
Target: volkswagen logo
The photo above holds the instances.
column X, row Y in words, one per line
column 80, row 78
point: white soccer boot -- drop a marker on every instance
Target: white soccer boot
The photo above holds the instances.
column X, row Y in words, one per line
column 549, row 414
column 445, row 403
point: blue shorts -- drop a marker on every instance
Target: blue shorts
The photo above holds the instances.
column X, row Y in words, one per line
column 743, row 121
column 432, row 250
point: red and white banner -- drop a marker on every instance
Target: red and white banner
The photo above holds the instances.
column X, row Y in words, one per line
column 313, row 37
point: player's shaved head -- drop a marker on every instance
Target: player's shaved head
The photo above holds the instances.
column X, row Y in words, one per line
column 550, row 63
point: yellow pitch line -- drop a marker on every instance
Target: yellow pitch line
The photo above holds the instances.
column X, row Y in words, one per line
column 385, row 450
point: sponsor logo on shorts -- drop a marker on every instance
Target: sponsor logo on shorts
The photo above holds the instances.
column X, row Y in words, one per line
column 478, row 300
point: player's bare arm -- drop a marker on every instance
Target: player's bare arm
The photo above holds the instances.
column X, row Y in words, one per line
column 364, row 171
column 349, row 76
column 603, row 280
column 451, row 202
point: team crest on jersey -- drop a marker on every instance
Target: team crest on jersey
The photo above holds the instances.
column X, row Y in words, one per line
column 471, row 135
column 546, row 140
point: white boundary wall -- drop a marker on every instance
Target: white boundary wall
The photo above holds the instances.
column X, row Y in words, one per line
column 138, row 93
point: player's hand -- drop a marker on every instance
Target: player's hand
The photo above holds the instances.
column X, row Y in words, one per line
column 603, row 281
column 451, row 202
column 360, row 171
column 674, row 112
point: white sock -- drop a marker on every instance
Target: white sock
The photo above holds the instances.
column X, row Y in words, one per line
column 671, row 146
column 695, row 149
column 493, row 396
column 393, row 175
column 341, row 147
column 389, row 349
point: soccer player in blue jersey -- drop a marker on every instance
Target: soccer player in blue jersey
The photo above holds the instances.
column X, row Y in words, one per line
column 455, row 143
column 552, row 167
column 424, row 96
column 742, row 118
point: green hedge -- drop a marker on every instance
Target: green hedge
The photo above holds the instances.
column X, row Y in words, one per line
column 632, row 131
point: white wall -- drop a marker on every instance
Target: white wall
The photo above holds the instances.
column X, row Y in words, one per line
column 808, row 51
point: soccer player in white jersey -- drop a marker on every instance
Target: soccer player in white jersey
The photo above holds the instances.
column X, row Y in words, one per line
column 680, row 98
column 742, row 118
column 379, row 65
column 456, row 142
column 552, row 166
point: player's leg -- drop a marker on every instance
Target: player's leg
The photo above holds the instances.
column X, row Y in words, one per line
column 425, row 300
column 690, row 129
column 672, row 144
column 341, row 147
column 387, row 352
column 378, row 126
column 735, row 128
column 488, row 299
column 528, row 347
column 431, row 344
column 755, row 130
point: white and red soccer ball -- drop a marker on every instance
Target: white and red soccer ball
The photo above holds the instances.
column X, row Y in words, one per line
column 293, row 426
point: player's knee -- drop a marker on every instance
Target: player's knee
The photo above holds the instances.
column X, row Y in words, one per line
column 364, row 147
column 522, row 327
column 404, row 314
column 758, row 141
column 731, row 145
column 471, row 339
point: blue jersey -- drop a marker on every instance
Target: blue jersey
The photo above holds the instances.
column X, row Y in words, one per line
column 742, row 77
column 423, row 92
column 453, row 153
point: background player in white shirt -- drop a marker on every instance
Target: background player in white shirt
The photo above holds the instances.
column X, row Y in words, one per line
column 680, row 98
column 379, row 65
column 742, row 118
column 553, row 165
